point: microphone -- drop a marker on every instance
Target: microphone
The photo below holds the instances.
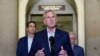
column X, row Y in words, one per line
column 51, row 39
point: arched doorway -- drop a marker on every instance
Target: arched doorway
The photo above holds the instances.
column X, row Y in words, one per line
column 23, row 7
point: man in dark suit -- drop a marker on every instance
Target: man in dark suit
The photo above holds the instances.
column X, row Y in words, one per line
column 77, row 50
column 26, row 42
column 52, row 41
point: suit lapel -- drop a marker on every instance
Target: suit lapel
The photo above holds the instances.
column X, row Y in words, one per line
column 26, row 46
column 57, row 40
column 46, row 41
column 56, row 37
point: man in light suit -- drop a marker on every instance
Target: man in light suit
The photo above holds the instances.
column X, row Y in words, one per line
column 61, row 45
column 26, row 42
column 77, row 50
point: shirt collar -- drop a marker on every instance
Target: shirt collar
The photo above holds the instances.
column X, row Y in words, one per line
column 51, row 31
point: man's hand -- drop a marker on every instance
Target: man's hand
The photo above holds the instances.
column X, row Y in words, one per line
column 62, row 52
column 40, row 52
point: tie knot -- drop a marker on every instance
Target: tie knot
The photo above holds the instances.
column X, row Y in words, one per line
column 51, row 39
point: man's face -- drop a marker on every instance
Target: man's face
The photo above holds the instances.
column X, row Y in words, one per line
column 31, row 28
column 50, row 20
column 72, row 38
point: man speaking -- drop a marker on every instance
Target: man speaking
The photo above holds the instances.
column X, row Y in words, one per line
column 52, row 41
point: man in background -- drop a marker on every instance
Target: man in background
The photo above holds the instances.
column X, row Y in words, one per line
column 26, row 42
column 77, row 50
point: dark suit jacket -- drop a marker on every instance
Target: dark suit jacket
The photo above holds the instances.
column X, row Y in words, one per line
column 78, row 51
column 22, row 46
column 61, row 39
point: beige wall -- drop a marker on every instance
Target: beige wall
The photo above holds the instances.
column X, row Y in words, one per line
column 92, row 18
column 8, row 27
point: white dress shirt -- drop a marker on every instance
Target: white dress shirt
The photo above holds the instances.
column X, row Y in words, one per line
column 30, row 40
column 50, row 33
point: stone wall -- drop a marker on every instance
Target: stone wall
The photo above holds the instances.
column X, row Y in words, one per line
column 92, row 18
column 8, row 27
